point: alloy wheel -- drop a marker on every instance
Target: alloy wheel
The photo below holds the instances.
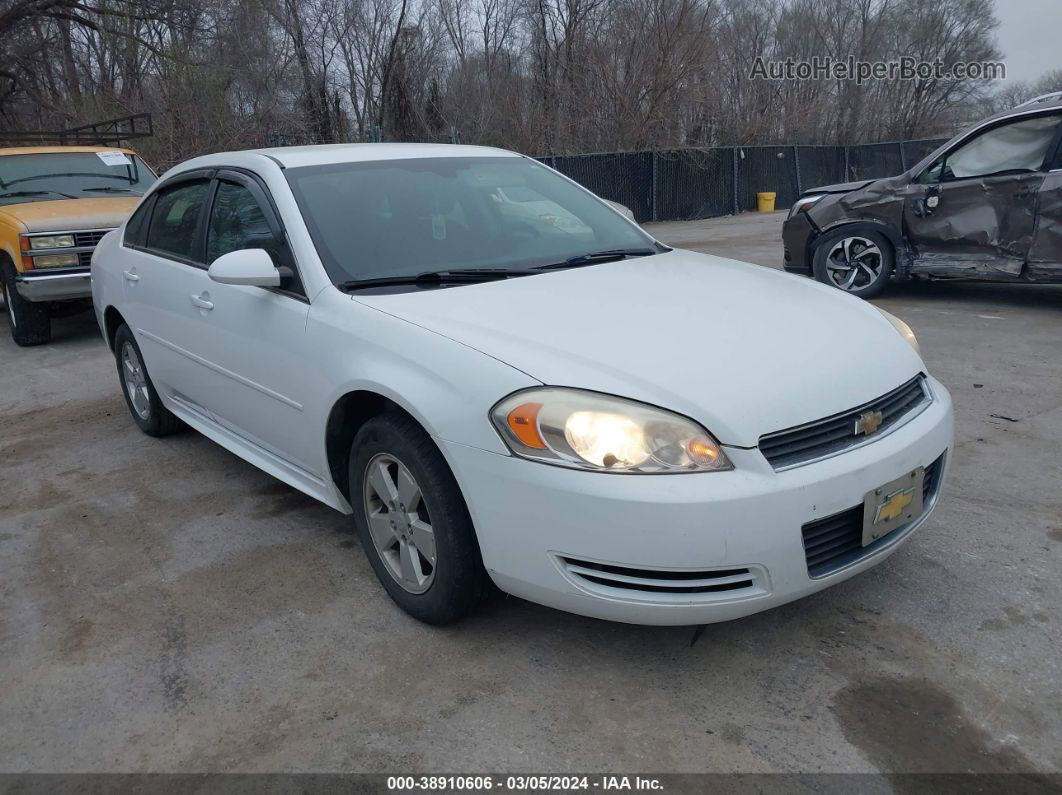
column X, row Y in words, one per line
column 854, row 263
column 399, row 522
column 135, row 381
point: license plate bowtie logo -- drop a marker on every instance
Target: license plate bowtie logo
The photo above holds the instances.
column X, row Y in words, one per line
column 894, row 505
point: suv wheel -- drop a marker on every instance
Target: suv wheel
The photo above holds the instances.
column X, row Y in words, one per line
column 854, row 260
column 413, row 522
column 149, row 414
column 30, row 322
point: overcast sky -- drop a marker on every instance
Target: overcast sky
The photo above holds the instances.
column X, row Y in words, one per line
column 1029, row 36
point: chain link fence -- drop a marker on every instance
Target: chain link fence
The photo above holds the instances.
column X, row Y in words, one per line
column 685, row 184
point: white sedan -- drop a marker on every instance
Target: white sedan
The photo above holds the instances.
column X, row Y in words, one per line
column 592, row 421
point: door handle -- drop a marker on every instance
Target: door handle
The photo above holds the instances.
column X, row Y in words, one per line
column 202, row 303
column 130, row 276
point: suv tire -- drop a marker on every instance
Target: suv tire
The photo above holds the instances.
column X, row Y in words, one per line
column 854, row 259
column 30, row 321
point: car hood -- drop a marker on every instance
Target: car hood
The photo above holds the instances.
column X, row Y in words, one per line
column 743, row 349
column 65, row 215
column 840, row 187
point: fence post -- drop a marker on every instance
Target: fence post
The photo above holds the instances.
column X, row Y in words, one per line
column 846, row 166
column 796, row 165
column 652, row 184
column 734, row 162
column 903, row 157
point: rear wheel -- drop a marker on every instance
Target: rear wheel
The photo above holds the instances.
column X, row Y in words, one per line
column 413, row 521
column 149, row 414
column 855, row 260
column 30, row 322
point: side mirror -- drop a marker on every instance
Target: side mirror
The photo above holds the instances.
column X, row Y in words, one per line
column 621, row 209
column 249, row 266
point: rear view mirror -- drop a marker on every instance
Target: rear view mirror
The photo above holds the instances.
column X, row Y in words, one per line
column 248, row 266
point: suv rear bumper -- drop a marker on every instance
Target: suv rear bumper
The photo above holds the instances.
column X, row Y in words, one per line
column 54, row 286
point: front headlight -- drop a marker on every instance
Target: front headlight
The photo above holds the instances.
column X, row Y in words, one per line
column 51, row 241
column 56, row 261
column 904, row 330
column 588, row 430
column 803, row 204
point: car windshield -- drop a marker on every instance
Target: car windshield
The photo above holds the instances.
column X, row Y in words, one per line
column 399, row 218
column 63, row 175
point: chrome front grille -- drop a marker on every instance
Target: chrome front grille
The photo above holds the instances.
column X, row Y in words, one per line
column 663, row 585
column 90, row 237
column 815, row 440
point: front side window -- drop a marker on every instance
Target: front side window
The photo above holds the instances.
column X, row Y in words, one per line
column 237, row 222
column 398, row 218
column 175, row 219
column 72, row 175
column 1013, row 148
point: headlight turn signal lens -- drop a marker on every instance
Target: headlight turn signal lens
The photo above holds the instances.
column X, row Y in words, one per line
column 570, row 427
column 55, row 261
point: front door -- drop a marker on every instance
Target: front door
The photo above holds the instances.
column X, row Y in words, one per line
column 973, row 212
column 251, row 339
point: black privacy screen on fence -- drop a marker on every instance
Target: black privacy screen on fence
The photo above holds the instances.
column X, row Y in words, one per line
column 683, row 184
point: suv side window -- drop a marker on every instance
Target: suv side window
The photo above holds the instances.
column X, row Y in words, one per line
column 175, row 219
column 237, row 222
column 1014, row 148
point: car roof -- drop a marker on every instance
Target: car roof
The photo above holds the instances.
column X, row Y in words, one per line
column 58, row 150
column 1031, row 107
column 331, row 154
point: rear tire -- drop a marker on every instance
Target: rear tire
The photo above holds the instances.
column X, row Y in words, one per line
column 30, row 321
column 149, row 414
column 413, row 521
column 854, row 259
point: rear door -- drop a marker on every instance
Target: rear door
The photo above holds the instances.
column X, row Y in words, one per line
column 973, row 212
column 163, row 271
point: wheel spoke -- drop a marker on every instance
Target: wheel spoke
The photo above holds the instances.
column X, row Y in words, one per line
column 850, row 280
column 409, row 561
column 424, row 539
column 380, row 529
column 408, row 490
column 869, row 251
column 382, row 484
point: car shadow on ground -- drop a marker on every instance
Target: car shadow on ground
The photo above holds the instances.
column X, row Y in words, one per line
column 1030, row 296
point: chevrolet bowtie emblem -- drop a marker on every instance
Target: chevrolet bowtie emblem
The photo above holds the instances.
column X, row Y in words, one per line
column 868, row 422
column 894, row 505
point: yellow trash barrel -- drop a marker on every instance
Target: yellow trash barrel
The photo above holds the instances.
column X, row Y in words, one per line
column 765, row 202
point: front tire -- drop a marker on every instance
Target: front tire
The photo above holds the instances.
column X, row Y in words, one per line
column 143, row 401
column 30, row 322
column 413, row 521
column 856, row 260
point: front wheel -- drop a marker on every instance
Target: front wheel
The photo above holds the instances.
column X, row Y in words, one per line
column 857, row 261
column 30, row 322
column 413, row 521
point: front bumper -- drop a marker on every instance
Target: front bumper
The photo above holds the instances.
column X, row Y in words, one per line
column 797, row 234
column 34, row 286
column 534, row 520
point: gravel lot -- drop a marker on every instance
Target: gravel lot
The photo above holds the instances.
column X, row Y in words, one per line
column 164, row 606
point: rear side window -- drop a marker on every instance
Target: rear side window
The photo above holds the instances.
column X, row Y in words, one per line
column 176, row 218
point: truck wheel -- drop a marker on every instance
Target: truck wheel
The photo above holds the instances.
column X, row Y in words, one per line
column 30, row 322
column 854, row 259
column 413, row 521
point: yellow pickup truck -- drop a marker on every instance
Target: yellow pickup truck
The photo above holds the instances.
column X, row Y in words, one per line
column 56, row 203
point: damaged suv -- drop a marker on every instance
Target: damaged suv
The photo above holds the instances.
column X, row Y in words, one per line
column 986, row 205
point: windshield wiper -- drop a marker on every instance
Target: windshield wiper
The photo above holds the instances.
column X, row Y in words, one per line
column 431, row 278
column 15, row 193
column 109, row 189
column 594, row 257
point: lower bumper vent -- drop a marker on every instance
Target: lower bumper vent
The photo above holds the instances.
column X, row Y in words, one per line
column 837, row 541
column 662, row 584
